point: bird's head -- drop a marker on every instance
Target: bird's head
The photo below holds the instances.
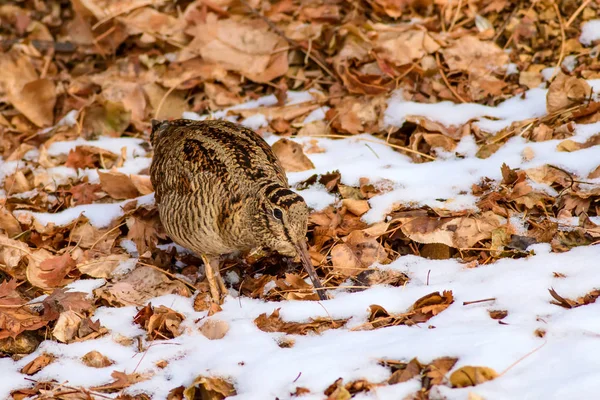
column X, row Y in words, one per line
column 283, row 221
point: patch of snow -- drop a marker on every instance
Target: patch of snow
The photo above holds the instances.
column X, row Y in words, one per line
column 590, row 32
column 100, row 214
column 85, row 285
column 254, row 122
column 133, row 146
column 531, row 104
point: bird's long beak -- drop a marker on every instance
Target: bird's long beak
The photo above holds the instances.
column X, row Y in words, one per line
column 307, row 263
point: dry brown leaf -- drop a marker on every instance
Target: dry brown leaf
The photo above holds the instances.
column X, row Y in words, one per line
column 566, row 91
column 209, row 388
column 291, row 156
column 102, row 267
column 172, row 106
column 357, row 253
column 471, row 376
column 273, row 323
column 139, row 286
column 33, row 97
column 412, row 369
column 67, row 326
column 12, row 251
column 8, row 223
column 49, row 272
column 37, row 364
column 160, row 323
column 118, row 185
column 295, row 288
column 460, row 232
column 214, row 329
column 95, row 359
column 122, row 380
column 248, row 48
column 401, row 48
column 470, row 54
column 438, row 368
column 356, row 207
column 16, row 320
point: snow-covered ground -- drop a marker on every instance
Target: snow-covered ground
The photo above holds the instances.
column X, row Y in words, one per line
column 561, row 365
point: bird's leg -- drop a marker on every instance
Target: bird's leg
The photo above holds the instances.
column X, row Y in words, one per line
column 220, row 282
column 215, row 282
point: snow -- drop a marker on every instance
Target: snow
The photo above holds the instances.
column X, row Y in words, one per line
column 514, row 109
column 561, row 365
column 590, row 31
column 99, row 214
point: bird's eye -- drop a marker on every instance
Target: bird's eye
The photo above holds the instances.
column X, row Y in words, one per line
column 278, row 214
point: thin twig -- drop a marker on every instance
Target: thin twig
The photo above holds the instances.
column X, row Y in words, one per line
column 563, row 39
column 466, row 303
column 445, row 79
column 577, row 12
column 394, row 146
column 456, row 14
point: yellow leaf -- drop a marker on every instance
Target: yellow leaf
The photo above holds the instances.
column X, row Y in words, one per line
column 471, row 376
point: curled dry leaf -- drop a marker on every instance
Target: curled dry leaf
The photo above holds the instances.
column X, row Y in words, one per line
column 214, row 329
column 459, row 232
column 160, row 323
column 410, row 370
column 8, row 223
column 291, row 156
column 15, row 320
column 37, row 364
column 421, row 311
column 209, row 388
column 274, row 323
column 356, row 207
column 121, row 381
column 102, row 267
column 358, row 251
column 12, row 251
column 471, row 376
column 566, row 91
column 295, row 288
column 49, row 272
column 67, row 326
column 401, row 48
column 96, row 359
column 120, row 186
column 139, row 286
column 33, row 97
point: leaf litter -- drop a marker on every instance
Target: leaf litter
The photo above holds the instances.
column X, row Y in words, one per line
column 447, row 152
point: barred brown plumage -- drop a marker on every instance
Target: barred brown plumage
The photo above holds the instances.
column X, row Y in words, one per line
column 220, row 190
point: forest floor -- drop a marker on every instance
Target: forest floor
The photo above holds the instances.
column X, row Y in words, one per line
column 447, row 151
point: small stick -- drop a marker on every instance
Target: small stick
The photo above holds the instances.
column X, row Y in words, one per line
column 563, row 39
column 439, row 63
column 394, row 146
column 466, row 303
column 577, row 12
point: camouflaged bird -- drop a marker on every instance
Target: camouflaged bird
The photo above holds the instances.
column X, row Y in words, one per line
column 220, row 190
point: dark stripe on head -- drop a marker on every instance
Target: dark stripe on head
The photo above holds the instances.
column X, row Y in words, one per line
column 284, row 197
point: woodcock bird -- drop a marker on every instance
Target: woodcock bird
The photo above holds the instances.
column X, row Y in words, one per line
column 220, row 190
